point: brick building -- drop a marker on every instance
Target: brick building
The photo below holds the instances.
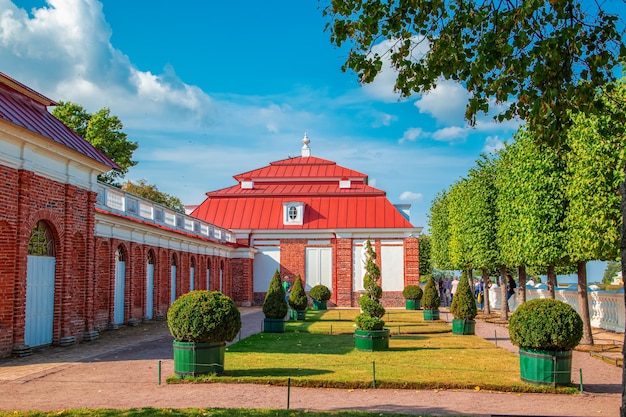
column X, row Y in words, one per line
column 309, row 216
column 78, row 256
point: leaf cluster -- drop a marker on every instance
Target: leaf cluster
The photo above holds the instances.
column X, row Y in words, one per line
column 463, row 303
column 152, row 193
column 320, row 293
column 545, row 324
column 204, row 316
column 275, row 306
column 297, row 297
column 412, row 292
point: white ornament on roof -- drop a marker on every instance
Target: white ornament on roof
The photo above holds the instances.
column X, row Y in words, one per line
column 306, row 151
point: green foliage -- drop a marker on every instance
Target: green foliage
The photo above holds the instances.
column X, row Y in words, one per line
column 412, row 292
column 424, row 255
column 104, row 132
column 203, row 316
column 370, row 301
column 612, row 268
column 275, row 306
column 545, row 324
column 458, row 218
column 463, row 303
column 297, row 297
column 152, row 193
column 438, row 224
column 430, row 299
column 320, row 293
column 534, row 61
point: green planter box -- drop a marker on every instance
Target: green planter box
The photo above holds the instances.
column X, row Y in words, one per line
column 371, row 340
column 430, row 315
column 543, row 367
column 413, row 304
column 191, row 358
column 273, row 325
column 297, row 314
column 463, row 327
column 319, row 305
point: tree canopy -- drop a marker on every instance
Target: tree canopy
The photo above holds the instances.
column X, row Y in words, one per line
column 151, row 192
column 535, row 60
column 104, row 132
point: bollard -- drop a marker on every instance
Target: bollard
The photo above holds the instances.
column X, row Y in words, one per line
column 159, row 372
column 495, row 335
column 331, row 329
column 288, row 391
column 581, row 380
column 398, row 330
column 374, row 374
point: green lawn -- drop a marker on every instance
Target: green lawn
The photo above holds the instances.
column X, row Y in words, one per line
column 319, row 352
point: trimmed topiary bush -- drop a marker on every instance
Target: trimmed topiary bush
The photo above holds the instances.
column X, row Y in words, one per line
column 372, row 310
column 297, row 298
column 545, row 324
column 204, row 316
column 412, row 292
column 320, row 293
column 275, row 306
column 463, row 304
column 430, row 299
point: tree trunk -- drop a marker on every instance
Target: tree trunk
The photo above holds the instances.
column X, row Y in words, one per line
column 622, row 247
column 486, row 291
column 521, row 271
column 583, row 304
column 551, row 281
column 504, row 310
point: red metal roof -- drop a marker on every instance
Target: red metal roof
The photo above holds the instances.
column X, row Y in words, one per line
column 301, row 167
column 25, row 107
column 309, row 180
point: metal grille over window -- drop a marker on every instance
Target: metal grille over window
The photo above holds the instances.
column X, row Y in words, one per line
column 41, row 242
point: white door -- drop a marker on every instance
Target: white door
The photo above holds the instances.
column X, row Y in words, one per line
column 266, row 262
column 120, row 281
column 392, row 268
column 149, row 291
column 39, row 300
column 319, row 267
column 173, row 279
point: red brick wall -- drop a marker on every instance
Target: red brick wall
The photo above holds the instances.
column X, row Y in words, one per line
column 342, row 281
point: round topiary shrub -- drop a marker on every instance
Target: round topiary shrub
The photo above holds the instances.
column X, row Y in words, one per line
column 412, row 292
column 463, row 304
column 204, row 316
column 430, row 299
column 275, row 305
column 297, row 298
column 320, row 293
column 546, row 324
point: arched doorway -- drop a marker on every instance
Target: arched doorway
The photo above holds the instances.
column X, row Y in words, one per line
column 40, row 272
column 173, row 278
column 120, row 283
column 150, row 285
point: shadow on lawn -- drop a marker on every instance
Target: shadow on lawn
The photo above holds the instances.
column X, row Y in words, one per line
column 274, row 372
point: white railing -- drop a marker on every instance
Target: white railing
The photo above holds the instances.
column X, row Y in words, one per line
column 606, row 308
column 118, row 201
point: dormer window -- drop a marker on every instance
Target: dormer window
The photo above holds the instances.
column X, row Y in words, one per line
column 293, row 213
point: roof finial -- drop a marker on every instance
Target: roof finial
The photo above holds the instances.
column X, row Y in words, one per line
column 306, row 151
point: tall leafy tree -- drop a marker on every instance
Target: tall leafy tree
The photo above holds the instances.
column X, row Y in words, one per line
column 151, row 192
column 593, row 219
column 440, row 235
column 458, row 221
column 426, row 268
column 104, row 132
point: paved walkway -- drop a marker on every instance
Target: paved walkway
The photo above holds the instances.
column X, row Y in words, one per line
column 120, row 370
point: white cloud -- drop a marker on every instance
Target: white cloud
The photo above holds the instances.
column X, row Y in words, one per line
column 446, row 102
column 411, row 196
column 411, row 135
column 450, row 134
column 493, row 144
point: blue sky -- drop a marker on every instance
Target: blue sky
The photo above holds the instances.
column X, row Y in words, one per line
column 213, row 89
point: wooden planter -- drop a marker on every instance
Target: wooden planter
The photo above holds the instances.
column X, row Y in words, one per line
column 297, row 314
column 319, row 305
column 193, row 358
column 273, row 325
column 413, row 304
column 544, row 367
column 430, row 315
column 463, row 327
column 371, row 340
